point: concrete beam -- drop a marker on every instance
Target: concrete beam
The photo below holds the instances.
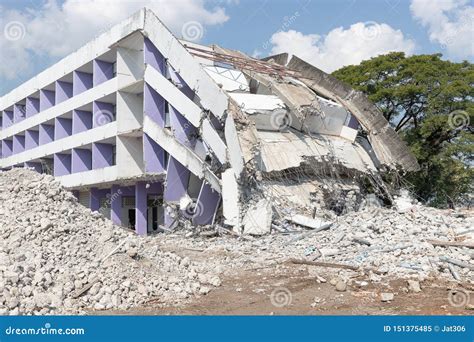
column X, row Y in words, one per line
column 77, row 140
column 182, row 154
column 211, row 96
column 86, row 97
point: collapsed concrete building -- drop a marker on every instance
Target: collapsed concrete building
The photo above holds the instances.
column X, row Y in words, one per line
column 152, row 130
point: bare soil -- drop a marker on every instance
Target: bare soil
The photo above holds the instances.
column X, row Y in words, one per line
column 250, row 293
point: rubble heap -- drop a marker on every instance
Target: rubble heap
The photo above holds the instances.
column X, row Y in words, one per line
column 58, row 257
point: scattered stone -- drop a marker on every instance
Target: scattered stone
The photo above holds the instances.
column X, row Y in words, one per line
column 341, row 286
column 414, row 286
column 386, row 296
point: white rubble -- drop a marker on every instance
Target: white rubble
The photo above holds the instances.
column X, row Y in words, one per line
column 56, row 256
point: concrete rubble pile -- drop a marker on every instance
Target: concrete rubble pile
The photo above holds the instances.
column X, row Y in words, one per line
column 407, row 242
column 58, row 257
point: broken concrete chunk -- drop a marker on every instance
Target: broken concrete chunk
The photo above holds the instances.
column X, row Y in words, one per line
column 308, row 222
column 258, row 219
column 386, row 296
column 414, row 286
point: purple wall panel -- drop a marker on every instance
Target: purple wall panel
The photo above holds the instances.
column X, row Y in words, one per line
column 141, row 208
column 18, row 143
column 62, row 128
column 154, row 155
column 103, row 113
column 177, row 178
column 103, row 71
column 7, row 119
column 32, row 106
column 95, row 197
column 154, row 105
column 116, row 204
column 62, row 164
column 81, row 81
column 81, row 121
column 63, row 91
column 353, row 123
column 46, row 134
column 7, row 148
column 180, row 83
column 81, row 160
column 31, row 139
column 47, row 98
column 19, row 113
column 182, row 129
column 153, row 57
column 102, row 155
column 207, row 204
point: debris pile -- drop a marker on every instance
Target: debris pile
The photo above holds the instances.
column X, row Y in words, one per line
column 58, row 257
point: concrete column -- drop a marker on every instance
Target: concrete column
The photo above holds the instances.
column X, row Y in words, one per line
column 154, row 57
column 116, row 205
column 154, row 105
column 103, row 113
column 81, row 160
column 81, row 121
column 19, row 113
column 206, row 206
column 32, row 106
column 46, row 134
column 141, row 208
column 7, row 119
column 63, row 91
column 62, row 128
column 81, row 81
column 47, row 98
column 62, row 164
column 31, row 139
column 153, row 156
column 102, row 155
column 18, row 143
column 103, row 71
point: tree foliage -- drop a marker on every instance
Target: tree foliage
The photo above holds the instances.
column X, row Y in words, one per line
column 430, row 102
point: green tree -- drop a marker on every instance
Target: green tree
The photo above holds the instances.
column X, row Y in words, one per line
column 430, row 102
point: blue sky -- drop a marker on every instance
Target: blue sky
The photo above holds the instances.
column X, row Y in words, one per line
column 329, row 34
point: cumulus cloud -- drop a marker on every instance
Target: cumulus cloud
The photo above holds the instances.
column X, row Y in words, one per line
column 341, row 47
column 58, row 28
column 450, row 23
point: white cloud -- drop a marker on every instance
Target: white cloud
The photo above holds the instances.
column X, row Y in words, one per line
column 341, row 47
column 55, row 29
column 449, row 22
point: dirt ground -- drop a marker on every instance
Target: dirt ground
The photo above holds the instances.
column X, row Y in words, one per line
column 291, row 290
